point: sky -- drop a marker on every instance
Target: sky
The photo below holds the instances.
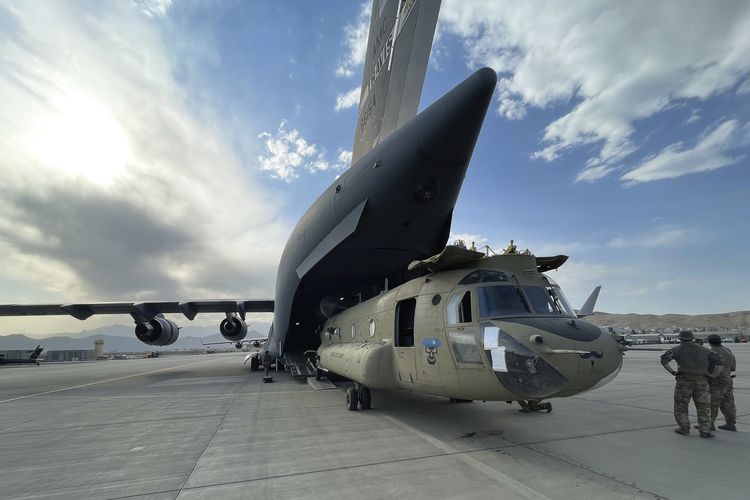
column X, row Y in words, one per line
column 165, row 149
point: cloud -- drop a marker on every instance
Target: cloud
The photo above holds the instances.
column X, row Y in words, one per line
column 287, row 152
column 347, row 100
column 676, row 160
column 658, row 237
column 153, row 8
column 355, row 41
column 602, row 66
column 113, row 188
column 695, row 115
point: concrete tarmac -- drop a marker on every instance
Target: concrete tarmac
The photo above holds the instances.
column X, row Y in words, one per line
column 205, row 427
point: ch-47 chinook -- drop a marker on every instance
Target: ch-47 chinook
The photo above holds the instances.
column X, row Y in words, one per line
column 472, row 327
column 392, row 207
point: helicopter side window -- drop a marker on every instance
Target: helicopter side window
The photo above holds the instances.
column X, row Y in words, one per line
column 465, row 347
column 458, row 308
column 501, row 300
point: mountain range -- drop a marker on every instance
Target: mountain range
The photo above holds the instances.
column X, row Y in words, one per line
column 730, row 320
column 119, row 338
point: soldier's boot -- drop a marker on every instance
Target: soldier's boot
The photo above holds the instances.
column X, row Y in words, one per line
column 728, row 427
column 680, row 430
column 706, row 434
column 713, row 427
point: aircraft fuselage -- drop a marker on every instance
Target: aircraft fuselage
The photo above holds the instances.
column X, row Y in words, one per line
column 392, row 207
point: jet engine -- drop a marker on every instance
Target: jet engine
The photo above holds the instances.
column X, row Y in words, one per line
column 233, row 328
column 158, row 331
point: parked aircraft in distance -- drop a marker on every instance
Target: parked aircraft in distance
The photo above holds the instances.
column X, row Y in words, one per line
column 366, row 287
column 32, row 359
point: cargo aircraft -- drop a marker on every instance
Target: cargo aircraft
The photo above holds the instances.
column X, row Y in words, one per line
column 367, row 288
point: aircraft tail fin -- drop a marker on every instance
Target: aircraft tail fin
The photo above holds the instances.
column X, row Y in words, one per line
column 398, row 50
column 37, row 352
column 588, row 307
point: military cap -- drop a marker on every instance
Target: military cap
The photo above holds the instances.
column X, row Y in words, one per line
column 714, row 339
column 686, row 335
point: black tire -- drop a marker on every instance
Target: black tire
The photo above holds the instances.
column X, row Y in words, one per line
column 365, row 400
column 318, row 374
column 253, row 364
column 351, row 399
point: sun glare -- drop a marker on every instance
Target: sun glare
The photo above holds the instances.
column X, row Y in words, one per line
column 82, row 138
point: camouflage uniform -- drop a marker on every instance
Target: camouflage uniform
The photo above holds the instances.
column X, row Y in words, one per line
column 722, row 388
column 694, row 363
column 267, row 360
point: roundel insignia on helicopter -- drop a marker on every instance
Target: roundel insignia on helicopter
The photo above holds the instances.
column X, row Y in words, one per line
column 431, row 346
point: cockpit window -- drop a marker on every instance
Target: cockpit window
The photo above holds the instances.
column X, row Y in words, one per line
column 548, row 300
column 501, row 300
column 564, row 304
column 540, row 300
column 458, row 308
column 483, row 276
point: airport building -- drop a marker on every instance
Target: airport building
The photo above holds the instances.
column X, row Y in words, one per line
column 70, row 355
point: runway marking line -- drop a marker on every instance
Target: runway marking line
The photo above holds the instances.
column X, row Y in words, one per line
column 102, row 382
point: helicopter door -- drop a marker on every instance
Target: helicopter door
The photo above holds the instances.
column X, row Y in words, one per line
column 461, row 329
column 403, row 341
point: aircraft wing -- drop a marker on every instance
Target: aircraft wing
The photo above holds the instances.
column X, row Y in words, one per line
column 145, row 310
column 398, row 49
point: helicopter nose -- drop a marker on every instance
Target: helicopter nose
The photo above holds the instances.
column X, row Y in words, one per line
column 456, row 119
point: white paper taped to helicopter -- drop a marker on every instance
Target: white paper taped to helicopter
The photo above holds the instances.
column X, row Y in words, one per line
column 498, row 359
column 490, row 336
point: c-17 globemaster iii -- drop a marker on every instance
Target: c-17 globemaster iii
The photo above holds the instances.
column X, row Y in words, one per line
column 366, row 287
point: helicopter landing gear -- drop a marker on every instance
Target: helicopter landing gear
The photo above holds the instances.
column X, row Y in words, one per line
column 531, row 405
column 359, row 395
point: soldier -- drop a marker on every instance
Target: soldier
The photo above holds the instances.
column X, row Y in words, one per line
column 267, row 360
column 694, row 363
column 722, row 390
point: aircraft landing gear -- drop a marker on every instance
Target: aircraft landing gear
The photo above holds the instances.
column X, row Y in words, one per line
column 531, row 405
column 351, row 399
column 365, row 400
column 358, row 395
column 253, row 364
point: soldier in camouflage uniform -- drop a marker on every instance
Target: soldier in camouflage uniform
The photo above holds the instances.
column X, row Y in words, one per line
column 694, row 363
column 722, row 388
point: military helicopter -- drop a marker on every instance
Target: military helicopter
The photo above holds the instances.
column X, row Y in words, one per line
column 473, row 327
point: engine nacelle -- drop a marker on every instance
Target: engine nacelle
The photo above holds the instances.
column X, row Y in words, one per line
column 233, row 328
column 158, row 331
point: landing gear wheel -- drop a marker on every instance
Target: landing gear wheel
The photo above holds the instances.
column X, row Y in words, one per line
column 253, row 364
column 548, row 407
column 365, row 400
column 351, row 399
column 318, row 373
